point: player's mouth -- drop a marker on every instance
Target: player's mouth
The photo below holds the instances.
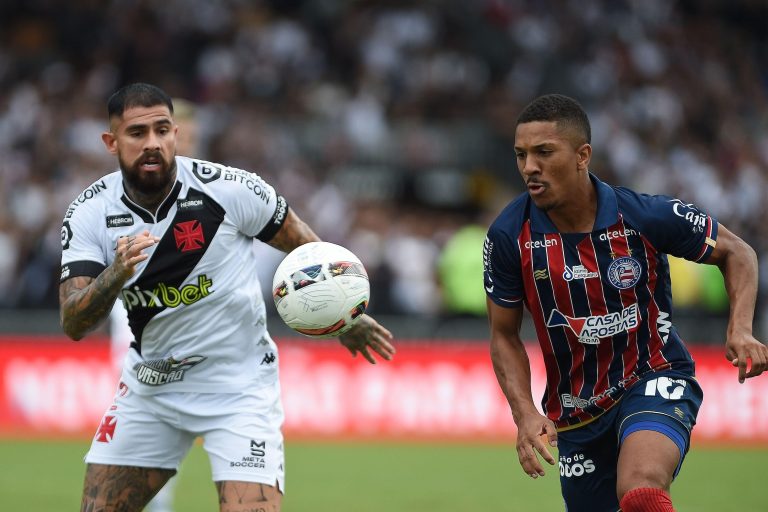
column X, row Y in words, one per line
column 151, row 163
column 536, row 188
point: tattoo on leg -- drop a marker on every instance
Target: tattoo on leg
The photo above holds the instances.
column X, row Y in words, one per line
column 121, row 488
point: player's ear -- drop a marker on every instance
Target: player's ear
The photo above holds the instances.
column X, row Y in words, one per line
column 583, row 156
column 110, row 141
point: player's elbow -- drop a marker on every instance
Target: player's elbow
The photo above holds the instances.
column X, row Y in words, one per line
column 71, row 330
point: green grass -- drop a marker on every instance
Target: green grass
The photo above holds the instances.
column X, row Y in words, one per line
column 378, row 477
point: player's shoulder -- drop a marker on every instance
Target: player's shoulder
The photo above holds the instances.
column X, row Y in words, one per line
column 212, row 177
column 642, row 205
column 96, row 196
column 512, row 217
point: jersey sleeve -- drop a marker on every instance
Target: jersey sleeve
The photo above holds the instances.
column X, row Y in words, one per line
column 678, row 228
column 254, row 205
column 82, row 253
column 502, row 273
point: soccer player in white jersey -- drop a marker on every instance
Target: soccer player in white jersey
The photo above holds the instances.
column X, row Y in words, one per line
column 120, row 335
column 171, row 237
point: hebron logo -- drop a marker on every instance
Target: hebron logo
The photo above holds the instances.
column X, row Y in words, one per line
column 167, row 296
column 590, row 329
column 576, row 465
column 189, row 235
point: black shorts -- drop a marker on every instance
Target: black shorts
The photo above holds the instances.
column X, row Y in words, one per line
column 666, row 402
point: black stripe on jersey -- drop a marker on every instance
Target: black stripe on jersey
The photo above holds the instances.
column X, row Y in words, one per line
column 162, row 212
column 276, row 222
column 169, row 264
column 80, row 269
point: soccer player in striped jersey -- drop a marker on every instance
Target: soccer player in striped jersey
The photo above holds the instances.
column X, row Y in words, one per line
column 588, row 260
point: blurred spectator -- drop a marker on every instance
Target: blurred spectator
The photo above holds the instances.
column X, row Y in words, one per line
column 399, row 103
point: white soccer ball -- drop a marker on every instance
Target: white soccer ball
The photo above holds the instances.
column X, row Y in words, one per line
column 321, row 289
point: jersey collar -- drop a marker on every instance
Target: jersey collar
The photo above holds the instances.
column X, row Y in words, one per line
column 607, row 210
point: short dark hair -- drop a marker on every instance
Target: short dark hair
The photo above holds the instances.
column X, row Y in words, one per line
column 561, row 109
column 137, row 95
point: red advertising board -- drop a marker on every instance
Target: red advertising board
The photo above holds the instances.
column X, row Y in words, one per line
column 53, row 388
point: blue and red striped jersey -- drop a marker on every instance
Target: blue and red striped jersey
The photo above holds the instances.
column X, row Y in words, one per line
column 601, row 302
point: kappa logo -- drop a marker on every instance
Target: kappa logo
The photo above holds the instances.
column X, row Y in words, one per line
column 590, row 329
column 189, row 235
column 624, row 272
column 269, row 358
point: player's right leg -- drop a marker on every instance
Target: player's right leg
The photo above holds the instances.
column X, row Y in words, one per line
column 136, row 450
column 124, row 488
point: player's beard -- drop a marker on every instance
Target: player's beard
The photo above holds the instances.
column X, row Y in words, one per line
column 148, row 183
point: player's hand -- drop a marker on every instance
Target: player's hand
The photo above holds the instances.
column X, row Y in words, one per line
column 534, row 431
column 368, row 333
column 741, row 349
column 129, row 252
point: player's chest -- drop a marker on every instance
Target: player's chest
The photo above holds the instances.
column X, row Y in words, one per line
column 613, row 259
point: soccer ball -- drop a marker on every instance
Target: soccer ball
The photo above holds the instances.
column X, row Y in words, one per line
column 321, row 289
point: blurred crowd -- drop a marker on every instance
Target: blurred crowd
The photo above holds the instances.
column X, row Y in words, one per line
column 388, row 125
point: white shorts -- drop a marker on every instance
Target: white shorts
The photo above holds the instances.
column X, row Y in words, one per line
column 241, row 432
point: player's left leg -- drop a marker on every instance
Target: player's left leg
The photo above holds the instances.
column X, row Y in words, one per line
column 647, row 464
column 655, row 421
column 242, row 435
column 252, row 496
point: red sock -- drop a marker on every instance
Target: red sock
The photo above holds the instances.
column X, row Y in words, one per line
column 646, row 499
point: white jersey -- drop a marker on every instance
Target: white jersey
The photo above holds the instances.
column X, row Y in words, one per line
column 195, row 306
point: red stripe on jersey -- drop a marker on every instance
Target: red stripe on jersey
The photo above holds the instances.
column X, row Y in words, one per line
column 620, row 247
column 597, row 305
column 564, row 303
column 553, row 407
column 655, row 343
column 708, row 235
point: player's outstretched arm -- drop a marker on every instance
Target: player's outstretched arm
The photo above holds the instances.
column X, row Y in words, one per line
column 85, row 302
column 738, row 263
column 513, row 371
column 368, row 333
column 293, row 233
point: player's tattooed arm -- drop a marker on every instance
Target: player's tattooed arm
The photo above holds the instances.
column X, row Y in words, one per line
column 293, row 233
column 86, row 302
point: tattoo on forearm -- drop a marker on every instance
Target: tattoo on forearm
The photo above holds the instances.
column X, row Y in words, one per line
column 86, row 302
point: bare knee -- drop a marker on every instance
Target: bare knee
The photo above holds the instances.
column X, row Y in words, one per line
column 642, row 476
column 257, row 497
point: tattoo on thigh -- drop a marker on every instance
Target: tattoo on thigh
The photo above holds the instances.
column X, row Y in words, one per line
column 247, row 497
column 121, row 488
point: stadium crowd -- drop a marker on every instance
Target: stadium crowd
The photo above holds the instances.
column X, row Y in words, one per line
column 389, row 125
